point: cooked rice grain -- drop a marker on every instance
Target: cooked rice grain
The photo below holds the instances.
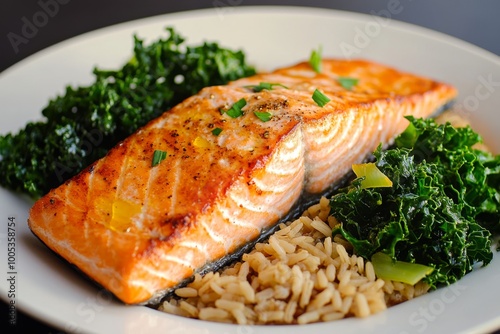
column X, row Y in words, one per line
column 300, row 275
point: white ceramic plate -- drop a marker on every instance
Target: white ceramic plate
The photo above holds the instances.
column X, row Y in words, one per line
column 272, row 37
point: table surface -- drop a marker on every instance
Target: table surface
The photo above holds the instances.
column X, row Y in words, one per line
column 472, row 21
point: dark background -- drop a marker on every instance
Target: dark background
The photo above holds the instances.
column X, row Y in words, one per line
column 475, row 21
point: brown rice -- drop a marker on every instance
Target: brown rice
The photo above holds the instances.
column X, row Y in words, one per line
column 298, row 276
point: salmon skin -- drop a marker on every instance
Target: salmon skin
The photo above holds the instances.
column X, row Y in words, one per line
column 140, row 229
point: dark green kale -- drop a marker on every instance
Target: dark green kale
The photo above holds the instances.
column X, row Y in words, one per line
column 80, row 126
column 442, row 209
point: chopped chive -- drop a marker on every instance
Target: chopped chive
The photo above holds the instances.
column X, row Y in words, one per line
column 216, row 131
column 235, row 111
column 264, row 116
column 347, row 83
column 264, row 85
column 315, row 59
column 320, row 98
column 158, row 156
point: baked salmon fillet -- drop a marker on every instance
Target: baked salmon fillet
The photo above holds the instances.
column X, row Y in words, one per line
column 213, row 173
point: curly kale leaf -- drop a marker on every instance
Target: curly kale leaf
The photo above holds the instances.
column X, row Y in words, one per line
column 80, row 126
column 471, row 177
column 441, row 210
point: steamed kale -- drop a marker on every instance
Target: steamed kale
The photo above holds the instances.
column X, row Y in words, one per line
column 83, row 124
column 443, row 207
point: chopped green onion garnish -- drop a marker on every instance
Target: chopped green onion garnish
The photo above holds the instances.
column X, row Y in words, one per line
column 347, row 83
column 216, row 131
column 158, row 156
column 315, row 59
column 373, row 177
column 264, row 85
column 235, row 111
column 320, row 98
column 399, row 271
column 264, row 116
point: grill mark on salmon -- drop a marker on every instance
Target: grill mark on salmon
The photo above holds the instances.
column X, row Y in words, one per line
column 140, row 230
